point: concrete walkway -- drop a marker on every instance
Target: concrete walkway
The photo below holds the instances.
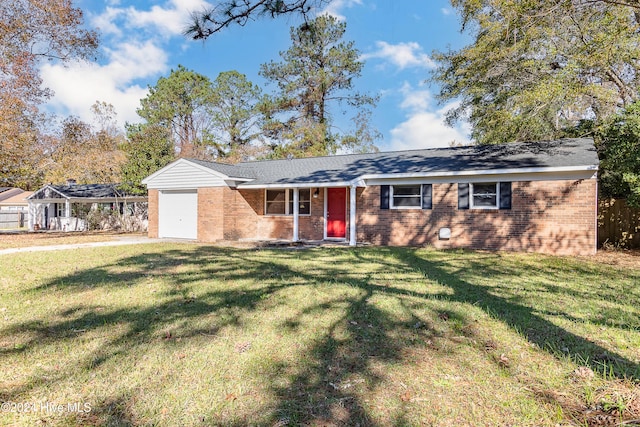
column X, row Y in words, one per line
column 122, row 242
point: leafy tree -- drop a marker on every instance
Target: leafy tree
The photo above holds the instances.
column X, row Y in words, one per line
column 180, row 103
column 85, row 154
column 233, row 12
column 618, row 142
column 236, row 120
column 148, row 148
column 537, row 68
column 31, row 31
column 316, row 74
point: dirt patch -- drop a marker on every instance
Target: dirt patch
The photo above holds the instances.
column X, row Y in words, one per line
column 621, row 257
column 27, row 239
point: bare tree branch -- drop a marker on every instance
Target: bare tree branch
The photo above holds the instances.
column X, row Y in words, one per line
column 238, row 12
column 635, row 4
column 631, row 3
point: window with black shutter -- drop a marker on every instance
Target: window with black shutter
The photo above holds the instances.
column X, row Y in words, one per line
column 384, row 197
column 484, row 195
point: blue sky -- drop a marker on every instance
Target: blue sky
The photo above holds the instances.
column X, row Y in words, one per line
column 141, row 40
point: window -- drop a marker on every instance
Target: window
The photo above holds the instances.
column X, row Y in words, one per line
column 414, row 196
column 484, row 195
column 60, row 210
column 304, row 200
column 406, row 196
column 280, row 202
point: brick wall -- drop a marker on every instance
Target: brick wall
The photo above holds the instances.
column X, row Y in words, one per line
column 231, row 214
column 152, row 230
column 210, row 213
column 556, row 217
column 312, row 227
column 546, row 216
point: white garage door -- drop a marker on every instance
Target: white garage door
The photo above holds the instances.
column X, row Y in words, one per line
column 178, row 214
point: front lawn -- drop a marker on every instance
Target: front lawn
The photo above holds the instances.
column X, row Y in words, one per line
column 193, row 335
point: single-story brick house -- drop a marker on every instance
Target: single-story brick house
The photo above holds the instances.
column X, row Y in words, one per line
column 523, row 196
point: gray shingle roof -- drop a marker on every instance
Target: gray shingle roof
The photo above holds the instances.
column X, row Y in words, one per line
column 232, row 171
column 89, row 191
column 578, row 152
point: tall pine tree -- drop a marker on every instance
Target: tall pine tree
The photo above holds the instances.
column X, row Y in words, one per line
column 315, row 80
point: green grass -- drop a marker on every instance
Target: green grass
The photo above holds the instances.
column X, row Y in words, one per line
column 192, row 335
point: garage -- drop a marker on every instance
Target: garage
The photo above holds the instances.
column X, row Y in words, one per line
column 178, row 214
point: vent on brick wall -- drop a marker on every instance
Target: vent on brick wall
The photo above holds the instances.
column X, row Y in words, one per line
column 444, row 234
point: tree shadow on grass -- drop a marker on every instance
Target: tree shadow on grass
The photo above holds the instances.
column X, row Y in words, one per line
column 519, row 317
column 323, row 387
column 173, row 317
column 328, row 390
column 326, row 385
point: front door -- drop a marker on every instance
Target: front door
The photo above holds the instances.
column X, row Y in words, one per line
column 336, row 213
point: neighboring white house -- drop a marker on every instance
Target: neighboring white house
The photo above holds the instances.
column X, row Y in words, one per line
column 69, row 207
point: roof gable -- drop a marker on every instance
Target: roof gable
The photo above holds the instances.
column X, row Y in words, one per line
column 186, row 173
column 47, row 192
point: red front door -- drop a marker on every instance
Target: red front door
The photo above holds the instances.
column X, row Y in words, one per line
column 336, row 212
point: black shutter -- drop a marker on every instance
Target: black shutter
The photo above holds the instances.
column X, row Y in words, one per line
column 463, row 195
column 505, row 195
column 426, row 196
column 384, row 197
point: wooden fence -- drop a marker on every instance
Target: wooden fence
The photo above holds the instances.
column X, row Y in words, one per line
column 618, row 224
column 13, row 219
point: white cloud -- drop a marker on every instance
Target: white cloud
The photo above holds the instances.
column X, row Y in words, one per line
column 135, row 44
column 172, row 18
column 402, row 55
column 425, row 130
column 414, row 100
column 446, row 11
column 79, row 85
column 335, row 6
column 424, row 127
column 106, row 22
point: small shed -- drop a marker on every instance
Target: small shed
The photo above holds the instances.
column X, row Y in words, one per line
column 68, row 207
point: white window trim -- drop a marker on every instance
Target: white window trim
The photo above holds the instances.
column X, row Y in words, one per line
column 60, row 210
column 287, row 202
column 393, row 206
column 471, row 199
